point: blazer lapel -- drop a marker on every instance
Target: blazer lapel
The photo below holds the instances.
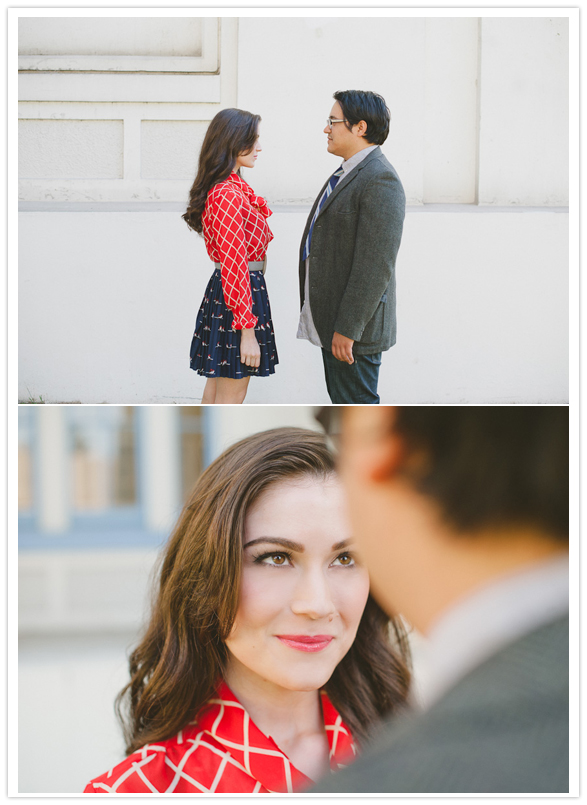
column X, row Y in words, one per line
column 346, row 180
column 312, row 211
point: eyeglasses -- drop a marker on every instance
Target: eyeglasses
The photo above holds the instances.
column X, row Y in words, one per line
column 331, row 120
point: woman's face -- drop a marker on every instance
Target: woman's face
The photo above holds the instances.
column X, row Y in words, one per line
column 248, row 159
column 303, row 589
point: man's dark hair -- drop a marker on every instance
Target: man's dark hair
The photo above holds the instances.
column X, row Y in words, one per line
column 493, row 466
column 360, row 105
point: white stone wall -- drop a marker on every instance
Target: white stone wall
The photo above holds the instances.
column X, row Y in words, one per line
column 479, row 136
column 119, row 116
column 523, row 132
column 68, row 732
column 476, row 104
column 68, row 38
column 108, row 317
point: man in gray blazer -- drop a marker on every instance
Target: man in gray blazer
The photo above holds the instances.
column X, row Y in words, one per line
column 461, row 514
column 348, row 251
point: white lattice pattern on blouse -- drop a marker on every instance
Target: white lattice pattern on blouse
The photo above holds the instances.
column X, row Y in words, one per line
column 223, row 751
column 236, row 232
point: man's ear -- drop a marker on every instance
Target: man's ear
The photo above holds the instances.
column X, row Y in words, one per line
column 379, row 451
column 388, row 459
column 361, row 128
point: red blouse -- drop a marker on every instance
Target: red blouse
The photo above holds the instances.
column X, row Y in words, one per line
column 234, row 224
column 221, row 752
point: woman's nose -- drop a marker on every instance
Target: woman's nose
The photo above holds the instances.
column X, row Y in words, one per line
column 313, row 597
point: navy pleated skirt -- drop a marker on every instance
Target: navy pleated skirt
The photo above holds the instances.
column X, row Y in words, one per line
column 215, row 350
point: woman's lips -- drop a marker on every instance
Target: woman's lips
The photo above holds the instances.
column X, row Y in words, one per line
column 306, row 642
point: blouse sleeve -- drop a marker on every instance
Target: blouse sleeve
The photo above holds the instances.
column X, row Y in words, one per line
column 229, row 231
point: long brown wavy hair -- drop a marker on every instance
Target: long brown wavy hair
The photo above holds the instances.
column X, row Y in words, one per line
column 182, row 655
column 231, row 132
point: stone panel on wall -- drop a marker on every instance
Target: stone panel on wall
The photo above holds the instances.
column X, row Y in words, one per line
column 91, row 36
column 170, row 148
column 524, row 132
column 107, row 590
column 120, row 44
column 450, row 144
column 120, row 128
column 32, row 593
column 71, row 149
column 65, row 591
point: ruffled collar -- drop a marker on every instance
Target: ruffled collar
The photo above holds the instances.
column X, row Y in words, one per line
column 256, row 201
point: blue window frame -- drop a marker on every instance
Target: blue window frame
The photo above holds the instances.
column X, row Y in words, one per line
column 103, row 466
column 27, row 497
column 106, row 476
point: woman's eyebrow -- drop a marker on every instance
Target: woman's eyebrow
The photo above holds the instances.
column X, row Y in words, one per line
column 293, row 546
column 286, row 543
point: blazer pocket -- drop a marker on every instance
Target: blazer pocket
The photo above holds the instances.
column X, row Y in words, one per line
column 374, row 330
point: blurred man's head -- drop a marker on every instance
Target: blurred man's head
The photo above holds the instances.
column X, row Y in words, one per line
column 445, row 498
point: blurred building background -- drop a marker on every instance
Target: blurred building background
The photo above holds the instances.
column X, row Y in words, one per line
column 113, row 110
column 99, row 489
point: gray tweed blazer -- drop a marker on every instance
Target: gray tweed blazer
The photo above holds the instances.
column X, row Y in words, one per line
column 355, row 241
column 504, row 728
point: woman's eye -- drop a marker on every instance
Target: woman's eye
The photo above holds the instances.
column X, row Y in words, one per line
column 274, row 559
column 345, row 559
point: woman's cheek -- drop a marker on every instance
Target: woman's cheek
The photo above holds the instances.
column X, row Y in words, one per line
column 354, row 593
column 262, row 594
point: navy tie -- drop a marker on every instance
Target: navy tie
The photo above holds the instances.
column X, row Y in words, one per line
column 329, row 188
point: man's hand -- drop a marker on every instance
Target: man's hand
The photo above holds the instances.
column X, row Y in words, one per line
column 342, row 348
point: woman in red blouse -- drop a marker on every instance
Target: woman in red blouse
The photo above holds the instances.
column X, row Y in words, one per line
column 233, row 336
column 266, row 663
